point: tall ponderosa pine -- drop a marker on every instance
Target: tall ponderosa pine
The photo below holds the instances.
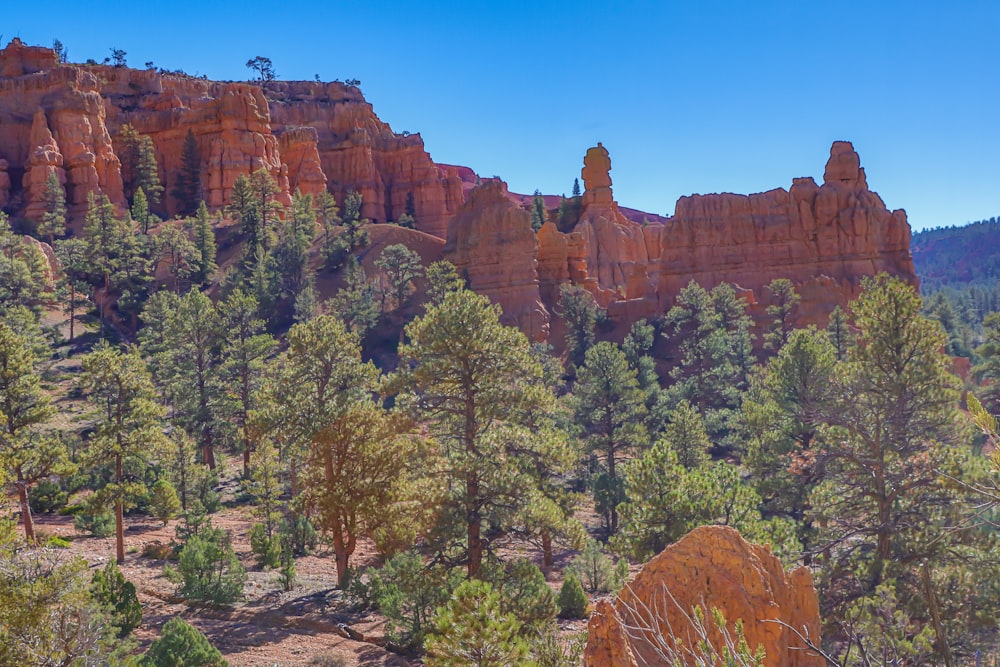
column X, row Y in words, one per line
column 538, row 212
column 129, row 430
column 313, row 384
column 352, row 477
column 610, row 407
column 187, row 187
column 26, row 454
column 709, row 333
column 582, row 315
column 140, row 211
column 399, row 266
column 245, row 347
column 783, row 417
column 783, row 309
column 172, row 246
column 186, row 362
column 886, row 513
column 293, row 270
column 72, row 254
column 204, row 244
column 138, row 164
column 53, row 222
column 477, row 386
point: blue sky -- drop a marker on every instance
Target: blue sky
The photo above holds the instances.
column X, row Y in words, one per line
column 688, row 97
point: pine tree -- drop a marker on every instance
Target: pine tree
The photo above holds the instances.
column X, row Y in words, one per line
column 400, row 266
column 72, row 254
column 472, row 630
column 609, row 406
column 187, row 189
column 140, row 210
column 582, row 315
column 783, row 417
column 172, row 246
column 204, row 243
column 783, row 309
column 25, row 454
column 147, row 171
column 352, row 477
column 245, row 347
column 291, row 256
column 356, row 303
column 713, row 355
column 538, row 212
column 53, row 222
column 478, row 387
column 312, row 385
column 129, row 428
column 839, row 332
column 895, row 427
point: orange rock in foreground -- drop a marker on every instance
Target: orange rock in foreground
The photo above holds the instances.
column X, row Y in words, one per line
column 710, row 567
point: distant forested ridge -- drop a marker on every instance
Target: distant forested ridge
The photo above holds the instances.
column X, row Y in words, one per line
column 959, row 271
column 953, row 256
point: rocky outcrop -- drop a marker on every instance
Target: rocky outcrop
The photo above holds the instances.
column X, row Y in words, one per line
column 491, row 243
column 357, row 151
column 309, row 135
column 824, row 238
column 4, row 184
column 711, row 567
column 300, row 154
column 306, row 135
column 45, row 159
column 72, row 126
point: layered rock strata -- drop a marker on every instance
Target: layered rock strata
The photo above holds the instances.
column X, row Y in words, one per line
column 307, row 135
column 62, row 119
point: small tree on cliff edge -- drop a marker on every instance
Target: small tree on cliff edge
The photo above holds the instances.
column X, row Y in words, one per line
column 264, row 68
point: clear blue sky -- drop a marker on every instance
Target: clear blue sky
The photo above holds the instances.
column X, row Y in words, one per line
column 689, row 97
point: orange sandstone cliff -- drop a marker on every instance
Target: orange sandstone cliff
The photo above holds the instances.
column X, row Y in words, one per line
column 824, row 238
column 308, row 135
column 710, row 567
column 63, row 119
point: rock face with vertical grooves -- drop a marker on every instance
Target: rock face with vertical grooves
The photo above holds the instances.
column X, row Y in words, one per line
column 710, row 567
column 491, row 243
column 65, row 119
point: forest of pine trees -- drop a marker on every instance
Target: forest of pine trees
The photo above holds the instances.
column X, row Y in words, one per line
column 402, row 415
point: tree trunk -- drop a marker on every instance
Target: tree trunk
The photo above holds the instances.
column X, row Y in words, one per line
column 246, row 458
column 72, row 309
column 547, row 548
column 342, row 557
column 119, row 515
column 611, row 479
column 22, row 496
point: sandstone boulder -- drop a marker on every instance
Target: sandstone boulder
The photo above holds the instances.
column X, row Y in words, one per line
column 710, row 567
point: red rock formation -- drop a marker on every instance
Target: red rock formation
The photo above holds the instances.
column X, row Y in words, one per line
column 4, row 184
column 46, row 158
column 710, row 567
column 299, row 153
column 307, row 135
column 357, row 151
column 824, row 238
column 75, row 120
column 491, row 243
column 312, row 135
